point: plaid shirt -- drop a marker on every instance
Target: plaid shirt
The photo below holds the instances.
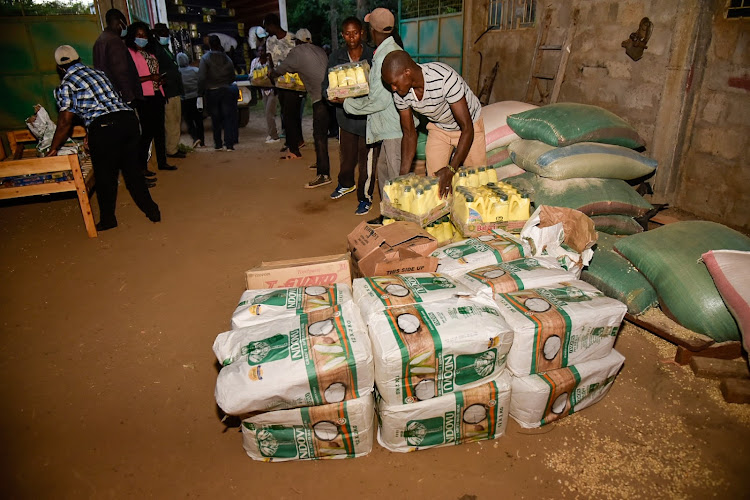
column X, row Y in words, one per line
column 88, row 93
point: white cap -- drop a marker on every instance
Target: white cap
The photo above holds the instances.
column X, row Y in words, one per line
column 65, row 54
column 303, row 35
column 260, row 32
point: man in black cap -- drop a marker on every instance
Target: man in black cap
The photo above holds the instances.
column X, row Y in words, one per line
column 112, row 134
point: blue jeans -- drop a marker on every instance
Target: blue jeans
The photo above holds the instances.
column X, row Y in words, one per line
column 222, row 106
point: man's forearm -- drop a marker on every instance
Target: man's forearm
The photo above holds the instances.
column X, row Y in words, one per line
column 463, row 147
column 408, row 150
column 64, row 128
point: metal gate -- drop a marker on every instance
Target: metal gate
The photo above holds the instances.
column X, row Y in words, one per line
column 433, row 30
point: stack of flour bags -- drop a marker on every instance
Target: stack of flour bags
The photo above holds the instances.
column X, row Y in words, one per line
column 440, row 356
column 297, row 369
column 582, row 157
column 562, row 357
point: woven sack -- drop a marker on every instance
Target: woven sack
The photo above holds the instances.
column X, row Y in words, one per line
column 496, row 130
column 620, row 225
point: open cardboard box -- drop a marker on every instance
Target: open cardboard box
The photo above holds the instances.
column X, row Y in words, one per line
column 398, row 248
column 323, row 270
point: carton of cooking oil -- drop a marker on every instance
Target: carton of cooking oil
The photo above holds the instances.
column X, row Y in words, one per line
column 348, row 80
column 495, row 203
column 414, row 198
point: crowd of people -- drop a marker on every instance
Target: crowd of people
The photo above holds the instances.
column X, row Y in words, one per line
column 140, row 90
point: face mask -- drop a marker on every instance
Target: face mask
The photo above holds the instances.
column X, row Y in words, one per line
column 164, row 40
column 141, row 42
column 123, row 33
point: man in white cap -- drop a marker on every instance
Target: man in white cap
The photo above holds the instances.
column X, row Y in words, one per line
column 112, row 134
column 303, row 36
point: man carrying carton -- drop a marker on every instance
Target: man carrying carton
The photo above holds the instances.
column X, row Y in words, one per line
column 436, row 91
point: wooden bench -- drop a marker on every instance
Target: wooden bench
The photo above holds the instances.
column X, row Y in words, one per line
column 25, row 162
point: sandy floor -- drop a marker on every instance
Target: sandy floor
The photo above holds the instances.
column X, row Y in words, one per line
column 108, row 373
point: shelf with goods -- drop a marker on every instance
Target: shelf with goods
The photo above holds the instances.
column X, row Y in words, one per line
column 190, row 21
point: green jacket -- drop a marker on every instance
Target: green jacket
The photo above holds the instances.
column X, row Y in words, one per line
column 168, row 64
column 382, row 118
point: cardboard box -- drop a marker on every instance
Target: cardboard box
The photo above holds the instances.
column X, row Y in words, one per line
column 323, row 270
column 475, row 229
column 398, row 248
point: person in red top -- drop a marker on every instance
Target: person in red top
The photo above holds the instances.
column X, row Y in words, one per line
column 150, row 110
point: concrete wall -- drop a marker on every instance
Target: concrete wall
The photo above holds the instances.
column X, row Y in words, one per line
column 663, row 95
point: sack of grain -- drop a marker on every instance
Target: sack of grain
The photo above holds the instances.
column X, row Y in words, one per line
column 475, row 414
column 615, row 277
column 669, row 257
column 730, row 271
column 375, row 294
column 559, row 325
column 319, row 357
column 261, row 306
column 498, row 157
column 497, row 133
column 338, row 430
column 619, row 225
column 542, row 398
column 566, row 123
column 590, row 196
column 521, row 274
column 492, row 248
column 424, row 351
column 584, row 159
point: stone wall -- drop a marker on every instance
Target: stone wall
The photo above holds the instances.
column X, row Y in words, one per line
column 685, row 128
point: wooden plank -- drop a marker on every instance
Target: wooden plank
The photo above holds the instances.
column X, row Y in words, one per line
column 724, row 350
column 735, row 390
column 663, row 219
column 718, row 368
column 83, row 196
column 36, row 189
column 34, row 166
column 696, row 343
column 564, row 58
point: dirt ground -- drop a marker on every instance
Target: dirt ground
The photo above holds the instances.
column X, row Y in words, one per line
column 109, row 375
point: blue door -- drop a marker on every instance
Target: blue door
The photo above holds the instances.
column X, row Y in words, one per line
column 432, row 30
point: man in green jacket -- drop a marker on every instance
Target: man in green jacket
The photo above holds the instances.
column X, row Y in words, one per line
column 172, row 89
column 383, row 123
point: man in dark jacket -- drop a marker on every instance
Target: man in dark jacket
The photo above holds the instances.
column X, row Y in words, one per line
column 216, row 83
column 172, row 90
column 353, row 150
column 111, row 56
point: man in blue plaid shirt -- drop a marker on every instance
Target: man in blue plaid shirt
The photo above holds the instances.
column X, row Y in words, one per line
column 112, row 134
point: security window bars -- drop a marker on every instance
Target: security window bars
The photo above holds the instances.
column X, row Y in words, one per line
column 738, row 8
column 411, row 9
column 512, row 14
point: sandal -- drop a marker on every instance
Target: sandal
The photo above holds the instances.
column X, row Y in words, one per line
column 291, row 156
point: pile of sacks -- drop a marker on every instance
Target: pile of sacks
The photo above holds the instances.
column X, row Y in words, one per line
column 297, row 369
column 572, row 155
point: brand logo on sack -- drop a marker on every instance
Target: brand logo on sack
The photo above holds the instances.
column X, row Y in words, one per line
column 449, row 368
column 300, row 439
column 450, row 427
column 292, row 298
column 295, row 344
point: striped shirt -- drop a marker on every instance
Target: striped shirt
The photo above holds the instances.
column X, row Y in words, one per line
column 442, row 87
column 88, row 93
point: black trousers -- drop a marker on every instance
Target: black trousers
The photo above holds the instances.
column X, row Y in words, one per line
column 356, row 155
column 290, row 107
column 151, row 114
column 320, row 135
column 113, row 143
column 194, row 119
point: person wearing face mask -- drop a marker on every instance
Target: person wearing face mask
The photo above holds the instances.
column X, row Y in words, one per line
column 111, row 56
column 172, row 91
column 150, row 110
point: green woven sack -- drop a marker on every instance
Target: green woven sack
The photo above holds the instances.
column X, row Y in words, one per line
column 584, row 159
column 566, row 123
column 590, row 196
column 621, row 225
column 669, row 257
column 617, row 278
column 421, row 145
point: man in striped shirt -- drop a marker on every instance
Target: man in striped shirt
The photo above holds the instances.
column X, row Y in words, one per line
column 437, row 92
column 112, row 134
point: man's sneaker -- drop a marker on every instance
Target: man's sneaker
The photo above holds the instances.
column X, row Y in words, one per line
column 377, row 221
column 363, row 208
column 341, row 191
column 271, row 140
column 320, row 180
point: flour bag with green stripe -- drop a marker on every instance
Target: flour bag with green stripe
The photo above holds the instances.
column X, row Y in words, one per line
column 316, row 358
column 520, row 274
column 262, row 306
column 475, row 414
column 338, row 430
column 492, row 248
column 542, row 398
column 375, row 294
column 423, row 351
column 559, row 325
